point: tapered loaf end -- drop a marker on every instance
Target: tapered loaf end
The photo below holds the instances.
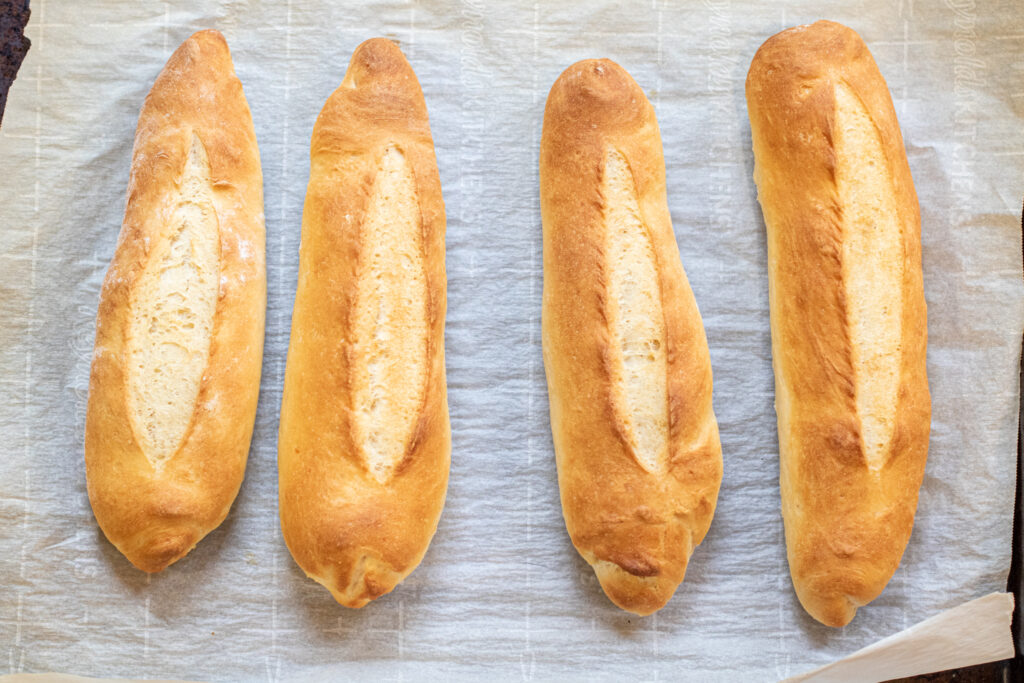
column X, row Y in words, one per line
column 208, row 36
column 633, row 589
column 377, row 59
column 201, row 47
column 154, row 552
column 837, row 612
column 596, row 93
column 833, row 599
column 779, row 57
column 358, row 581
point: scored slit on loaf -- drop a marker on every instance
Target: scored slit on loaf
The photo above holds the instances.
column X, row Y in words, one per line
column 364, row 443
column 391, row 331
column 172, row 315
column 638, row 367
column 848, row 318
column 872, row 270
column 626, row 358
column 179, row 332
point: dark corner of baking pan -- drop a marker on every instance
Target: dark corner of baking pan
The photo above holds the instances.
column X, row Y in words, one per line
column 13, row 44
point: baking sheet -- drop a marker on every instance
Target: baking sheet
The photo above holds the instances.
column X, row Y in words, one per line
column 501, row 592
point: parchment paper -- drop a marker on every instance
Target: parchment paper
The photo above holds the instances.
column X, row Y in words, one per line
column 972, row 633
column 501, row 593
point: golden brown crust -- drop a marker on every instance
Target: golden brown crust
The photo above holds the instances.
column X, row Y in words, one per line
column 155, row 515
column 636, row 527
column 846, row 524
column 356, row 535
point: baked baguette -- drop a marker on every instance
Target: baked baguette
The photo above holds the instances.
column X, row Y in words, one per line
column 847, row 312
column 365, row 442
column 179, row 333
column 626, row 358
